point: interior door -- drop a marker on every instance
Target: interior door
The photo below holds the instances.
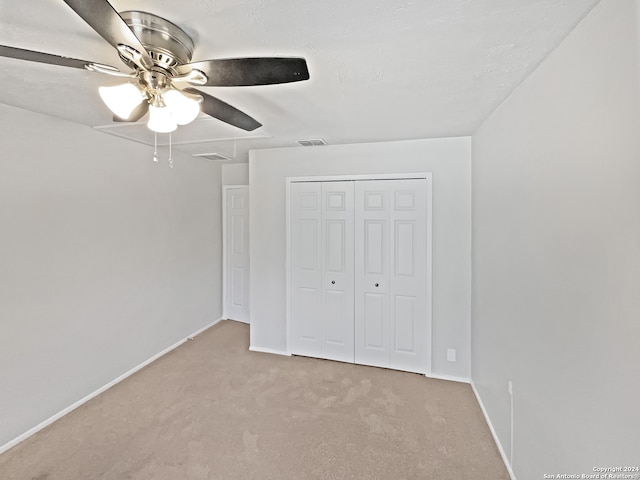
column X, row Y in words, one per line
column 306, row 268
column 237, row 295
column 408, row 339
column 372, row 273
column 337, row 271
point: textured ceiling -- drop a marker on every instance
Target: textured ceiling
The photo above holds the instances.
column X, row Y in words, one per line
column 381, row 70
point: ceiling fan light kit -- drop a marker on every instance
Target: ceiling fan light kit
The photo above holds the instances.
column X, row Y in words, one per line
column 122, row 99
column 184, row 107
column 162, row 78
column 168, row 46
column 161, row 120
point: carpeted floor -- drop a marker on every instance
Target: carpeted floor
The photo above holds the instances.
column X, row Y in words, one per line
column 213, row 410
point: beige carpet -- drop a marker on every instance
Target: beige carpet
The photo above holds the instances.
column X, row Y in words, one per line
column 213, row 410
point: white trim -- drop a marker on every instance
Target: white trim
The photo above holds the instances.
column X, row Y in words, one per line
column 190, row 337
column 224, row 251
column 72, row 407
column 355, row 178
column 493, row 433
column 451, row 378
column 225, row 189
column 287, row 263
column 268, row 350
column 429, row 232
column 428, row 176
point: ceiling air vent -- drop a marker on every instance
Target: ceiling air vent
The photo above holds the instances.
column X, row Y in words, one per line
column 216, row 157
column 312, row 143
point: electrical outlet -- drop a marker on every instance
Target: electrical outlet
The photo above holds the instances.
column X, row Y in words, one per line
column 451, row 354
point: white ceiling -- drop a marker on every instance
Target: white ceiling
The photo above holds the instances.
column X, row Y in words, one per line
column 381, row 70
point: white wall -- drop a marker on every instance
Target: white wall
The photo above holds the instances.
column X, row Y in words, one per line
column 106, row 259
column 556, row 254
column 235, row 174
column 448, row 159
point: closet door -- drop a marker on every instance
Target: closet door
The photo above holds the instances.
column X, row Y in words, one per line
column 408, row 339
column 390, row 274
column 306, row 271
column 372, row 273
column 321, row 229
column 337, row 271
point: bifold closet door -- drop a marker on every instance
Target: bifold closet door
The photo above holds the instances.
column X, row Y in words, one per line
column 337, row 271
column 391, row 274
column 322, row 249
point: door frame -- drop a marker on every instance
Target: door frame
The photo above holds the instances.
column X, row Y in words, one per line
column 225, row 190
column 428, row 176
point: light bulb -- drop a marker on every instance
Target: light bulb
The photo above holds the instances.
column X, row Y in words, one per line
column 122, row 99
column 161, row 120
column 184, row 107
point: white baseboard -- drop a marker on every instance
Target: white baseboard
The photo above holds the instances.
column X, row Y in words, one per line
column 268, row 350
column 451, row 378
column 70, row 408
column 190, row 337
column 493, row 433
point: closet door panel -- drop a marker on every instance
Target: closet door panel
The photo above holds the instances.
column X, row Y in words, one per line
column 375, row 324
column 407, row 280
column 337, row 271
column 404, row 315
column 306, row 271
column 372, row 273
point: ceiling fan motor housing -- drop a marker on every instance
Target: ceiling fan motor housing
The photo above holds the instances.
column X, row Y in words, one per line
column 167, row 44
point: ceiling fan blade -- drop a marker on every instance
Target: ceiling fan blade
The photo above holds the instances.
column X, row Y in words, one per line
column 237, row 72
column 216, row 108
column 138, row 112
column 33, row 56
column 103, row 18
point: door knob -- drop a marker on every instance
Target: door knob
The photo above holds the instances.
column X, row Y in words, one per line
column 333, row 282
column 377, row 284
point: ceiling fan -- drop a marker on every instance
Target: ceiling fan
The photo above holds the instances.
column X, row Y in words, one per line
column 162, row 77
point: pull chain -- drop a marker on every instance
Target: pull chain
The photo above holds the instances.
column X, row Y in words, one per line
column 170, row 157
column 155, row 147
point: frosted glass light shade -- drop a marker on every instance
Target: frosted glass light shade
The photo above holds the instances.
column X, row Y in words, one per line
column 121, row 99
column 161, row 120
column 185, row 108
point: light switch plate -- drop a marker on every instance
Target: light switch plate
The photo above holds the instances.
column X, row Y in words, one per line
column 451, row 354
